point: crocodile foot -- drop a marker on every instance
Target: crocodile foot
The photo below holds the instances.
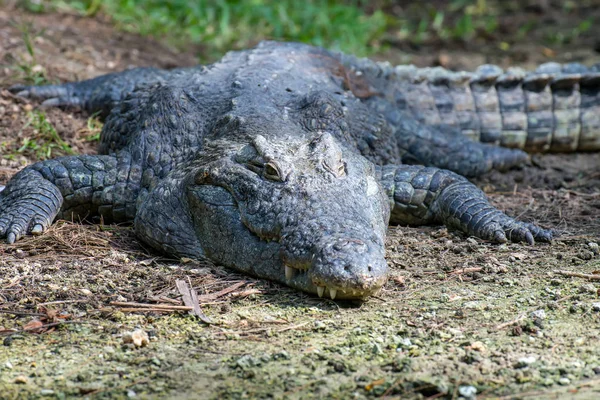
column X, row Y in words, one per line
column 50, row 95
column 28, row 205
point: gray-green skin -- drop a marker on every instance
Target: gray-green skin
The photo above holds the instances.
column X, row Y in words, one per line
column 283, row 162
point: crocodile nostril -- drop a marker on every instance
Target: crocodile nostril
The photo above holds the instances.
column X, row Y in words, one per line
column 346, row 268
column 370, row 268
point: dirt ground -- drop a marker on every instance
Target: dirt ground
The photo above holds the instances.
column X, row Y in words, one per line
column 459, row 317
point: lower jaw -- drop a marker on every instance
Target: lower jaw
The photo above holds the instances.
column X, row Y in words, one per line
column 301, row 281
column 269, row 266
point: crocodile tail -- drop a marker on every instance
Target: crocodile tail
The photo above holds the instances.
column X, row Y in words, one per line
column 554, row 108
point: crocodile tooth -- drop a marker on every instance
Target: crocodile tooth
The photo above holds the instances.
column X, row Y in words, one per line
column 332, row 293
column 320, row 290
column 289, row 272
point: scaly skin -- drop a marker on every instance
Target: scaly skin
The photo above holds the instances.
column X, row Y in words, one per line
column 554, row 108
column 274, row 161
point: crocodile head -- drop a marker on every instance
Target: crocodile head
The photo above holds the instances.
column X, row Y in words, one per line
column 301, row 210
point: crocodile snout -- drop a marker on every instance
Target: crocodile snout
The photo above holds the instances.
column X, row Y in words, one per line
column 349, row 267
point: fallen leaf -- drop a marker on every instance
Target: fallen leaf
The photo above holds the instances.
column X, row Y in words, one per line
column 190, row 299
column 33, row 324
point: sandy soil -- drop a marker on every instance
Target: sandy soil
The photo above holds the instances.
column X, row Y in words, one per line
column 459, row 316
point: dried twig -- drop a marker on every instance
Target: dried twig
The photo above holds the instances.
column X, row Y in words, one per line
column 165, row 299
column 152, row 309
column 592, row 277
column 287, row 328
column 509, row 323
column 223, row 292
column 465, row 270
column 166, row 307
column 63, row 302
column 14, row 312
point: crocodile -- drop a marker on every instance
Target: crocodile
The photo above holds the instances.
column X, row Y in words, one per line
column 288, row 162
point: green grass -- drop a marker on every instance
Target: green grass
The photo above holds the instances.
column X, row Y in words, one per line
column 457, row 20
column 222, row 25
column 29, row 69
column 485, row 20
column 94, row 128
column 361, row 27
column 45, row 142
column 570, row 36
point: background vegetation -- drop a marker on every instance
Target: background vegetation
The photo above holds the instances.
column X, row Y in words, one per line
column 356, row 26
column 226, row 24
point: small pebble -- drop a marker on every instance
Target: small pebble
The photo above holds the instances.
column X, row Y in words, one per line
column 587, row 288
column 468, row 392
column 478, row 346
column 138, row 337
column 539, row 314
column 20, row 253
column 22, row 379
column 548, row 382
column 526, row 361
column 564, row 381
column 596, row 307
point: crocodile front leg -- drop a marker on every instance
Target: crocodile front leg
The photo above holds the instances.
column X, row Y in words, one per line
column 81, row 187
column 424, row 195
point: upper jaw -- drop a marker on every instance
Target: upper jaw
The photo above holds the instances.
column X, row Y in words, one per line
column 304, row 280
column 334, row 284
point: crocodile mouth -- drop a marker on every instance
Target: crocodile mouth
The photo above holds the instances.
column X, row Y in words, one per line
column 304, row 279
column 341, row 263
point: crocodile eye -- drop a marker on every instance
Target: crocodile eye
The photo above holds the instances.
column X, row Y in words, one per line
column 272, row 172
column 342, row 169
